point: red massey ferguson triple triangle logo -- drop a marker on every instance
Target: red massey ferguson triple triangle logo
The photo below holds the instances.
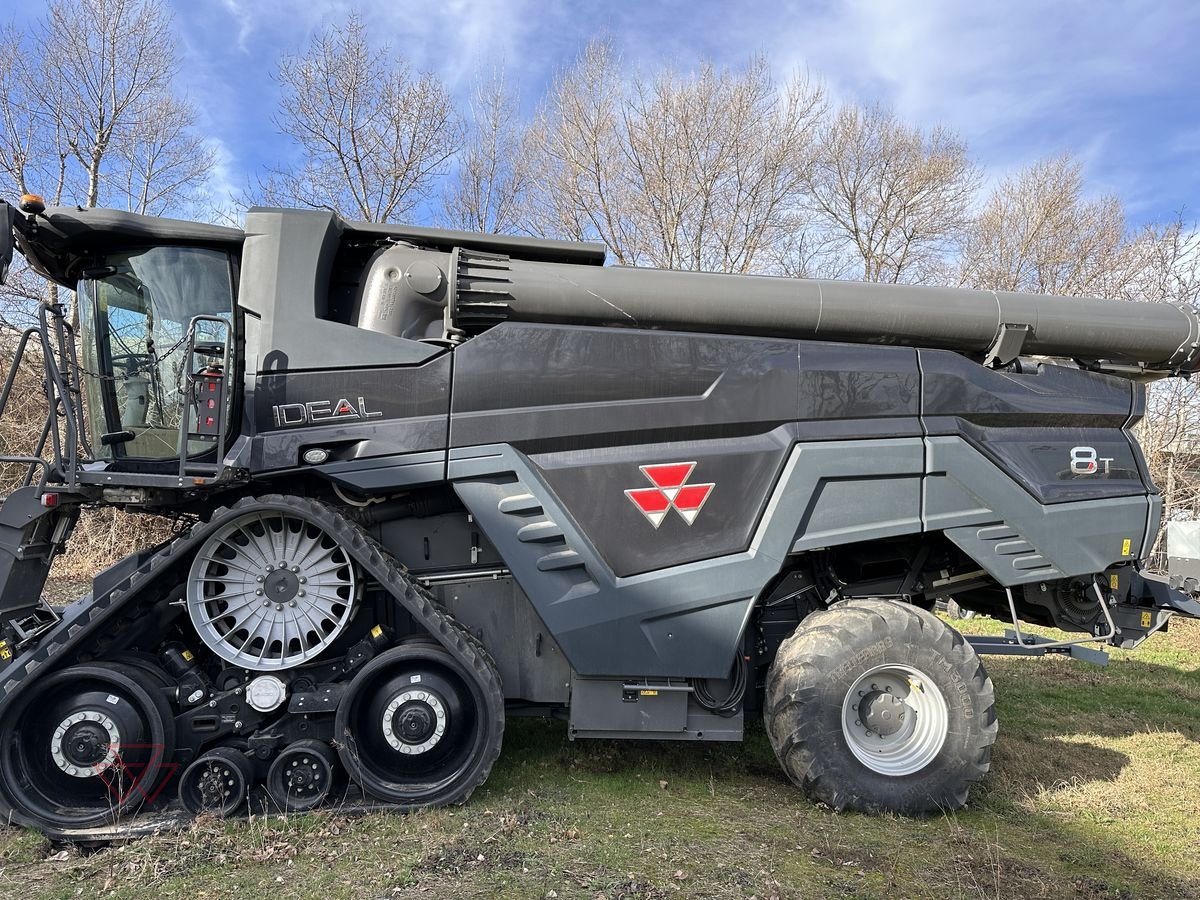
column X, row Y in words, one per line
column 670, row 491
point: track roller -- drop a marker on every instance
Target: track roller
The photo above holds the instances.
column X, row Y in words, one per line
column 417, row 728
column 217, row 783
column 86, row 745
column 302, row 776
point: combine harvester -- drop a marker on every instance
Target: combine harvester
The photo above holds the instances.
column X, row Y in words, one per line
column 434, row 479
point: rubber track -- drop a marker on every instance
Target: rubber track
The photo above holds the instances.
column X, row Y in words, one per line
column 89, row 619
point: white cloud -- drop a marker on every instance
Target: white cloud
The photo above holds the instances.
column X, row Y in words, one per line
column 1018, row 80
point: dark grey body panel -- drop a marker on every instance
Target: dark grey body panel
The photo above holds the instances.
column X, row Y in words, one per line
column 532, row 666
column 388, row 393
column 1028, row 421
column 591, row 485
column 388, row 473
column 554, row 388
column 287, row 263
column 851, row 381
column 394, row 411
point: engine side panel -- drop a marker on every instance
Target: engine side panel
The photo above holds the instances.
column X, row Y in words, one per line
column 1016, row 538
column 682, row 620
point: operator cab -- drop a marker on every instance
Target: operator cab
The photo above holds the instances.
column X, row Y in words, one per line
column 155, row 325
column 141, row 386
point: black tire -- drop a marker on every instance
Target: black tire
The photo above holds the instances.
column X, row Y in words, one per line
column 812, row 678
column 445, row 766
column 45, row 795
column 303, row 776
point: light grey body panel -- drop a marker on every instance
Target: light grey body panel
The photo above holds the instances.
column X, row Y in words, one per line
column 858, row 491
column 687, row 620
column 1016, row 539
column 680, row 621
column 684, row 620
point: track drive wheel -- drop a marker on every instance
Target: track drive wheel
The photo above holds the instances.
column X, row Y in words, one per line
column 417, row 728
column 879, row 706
column 86, row 745
column 302, row 775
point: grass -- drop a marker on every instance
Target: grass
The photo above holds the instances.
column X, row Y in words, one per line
column 1094, row 792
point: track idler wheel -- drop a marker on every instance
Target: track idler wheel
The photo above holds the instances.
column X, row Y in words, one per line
column 302, row 776
column 417, row 728
column 217, row 783
column 86, row 745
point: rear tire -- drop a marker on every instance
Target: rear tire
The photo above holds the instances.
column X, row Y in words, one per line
column 879, row 706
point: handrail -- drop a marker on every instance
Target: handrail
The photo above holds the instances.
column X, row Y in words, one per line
column 60, row 432
column 188, row 391
column 15, row 368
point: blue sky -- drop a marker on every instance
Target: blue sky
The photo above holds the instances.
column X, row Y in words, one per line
column 1115, row 83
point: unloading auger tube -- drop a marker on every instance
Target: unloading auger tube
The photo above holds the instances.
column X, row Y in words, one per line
column 1156, row 338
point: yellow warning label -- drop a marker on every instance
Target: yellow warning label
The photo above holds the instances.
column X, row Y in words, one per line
column 187, row 655
column 377, row 631
column 5, row 653
column 648, row 693
column 1145, row 620
column 1114, row 581
column 1125, row 546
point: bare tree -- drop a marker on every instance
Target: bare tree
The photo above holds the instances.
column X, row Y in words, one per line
column 896, row 195
column 107, row 65
column 372, row 136
column 1037, row 233
column 164, row 163
column 577, row 137
column 493, row 175
column 692, row 172
column 88, row 114
column 1165, row 265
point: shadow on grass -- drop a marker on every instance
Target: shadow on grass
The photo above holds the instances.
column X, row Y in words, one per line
column 1033, row 828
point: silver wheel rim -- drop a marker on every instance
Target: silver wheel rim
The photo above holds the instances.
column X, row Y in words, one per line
column 895, row 720
column 58, row 754
column 270, row 590
column 413, row 695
